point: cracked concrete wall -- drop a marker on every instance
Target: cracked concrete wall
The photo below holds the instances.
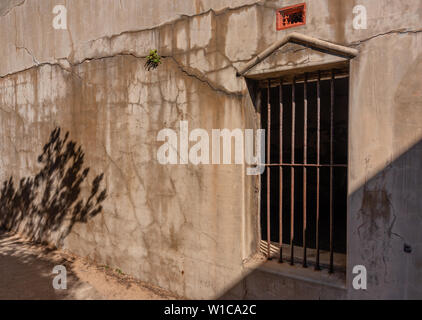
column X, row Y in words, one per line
column 188, row 228
column 385, row 167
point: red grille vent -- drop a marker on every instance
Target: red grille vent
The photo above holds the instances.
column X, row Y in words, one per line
column 292, row 16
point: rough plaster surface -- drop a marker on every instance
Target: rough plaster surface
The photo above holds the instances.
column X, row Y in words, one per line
column 188, row 228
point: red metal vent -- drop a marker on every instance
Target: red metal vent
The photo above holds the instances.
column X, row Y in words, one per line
column 292, row 16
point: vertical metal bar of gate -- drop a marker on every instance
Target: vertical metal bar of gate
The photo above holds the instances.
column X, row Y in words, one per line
column 305, row 128
column 292, row 171
column 280, row 97
column 268, row 171
column 331, row 168
column 317, row 267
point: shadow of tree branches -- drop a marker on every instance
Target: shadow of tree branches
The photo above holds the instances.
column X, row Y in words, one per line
column 46, row 207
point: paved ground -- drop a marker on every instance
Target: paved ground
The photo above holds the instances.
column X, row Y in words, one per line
column 26, row 273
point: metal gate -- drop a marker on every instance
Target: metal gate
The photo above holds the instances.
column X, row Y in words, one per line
column 287, row 163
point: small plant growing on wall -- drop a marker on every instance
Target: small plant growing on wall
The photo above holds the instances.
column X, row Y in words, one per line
column 153, row 60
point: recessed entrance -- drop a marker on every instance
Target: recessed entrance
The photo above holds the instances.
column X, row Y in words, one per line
column 304, row 188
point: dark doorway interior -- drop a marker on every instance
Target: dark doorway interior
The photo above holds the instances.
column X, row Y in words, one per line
column 339, row 173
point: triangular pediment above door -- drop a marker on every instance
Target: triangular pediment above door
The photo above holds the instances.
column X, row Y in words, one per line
column 296, row 52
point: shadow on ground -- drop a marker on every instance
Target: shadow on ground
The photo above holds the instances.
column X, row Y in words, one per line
column 26, row 272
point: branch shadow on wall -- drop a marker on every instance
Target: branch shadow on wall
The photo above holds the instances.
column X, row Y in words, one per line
column 47, row 206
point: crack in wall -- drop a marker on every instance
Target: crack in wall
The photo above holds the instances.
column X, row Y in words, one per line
column 404, row 31
column 189, row 71
column 124, row 178
column 198, row 76
column 29, row 53
column 67, row 63
column 203, row 79
column 215, row 13
column 8, row 10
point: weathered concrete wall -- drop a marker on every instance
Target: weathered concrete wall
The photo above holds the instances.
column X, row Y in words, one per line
column 188, row 228
column 385, row 163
